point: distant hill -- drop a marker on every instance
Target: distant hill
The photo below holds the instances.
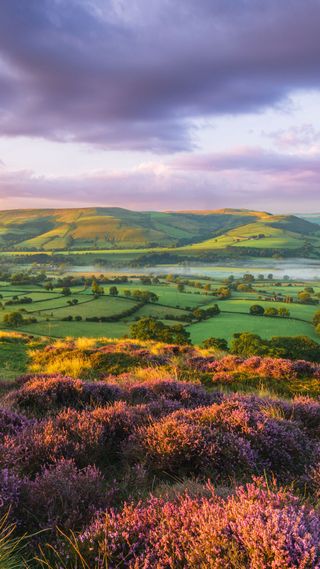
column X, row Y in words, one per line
column 117, row 228
column 313, row 217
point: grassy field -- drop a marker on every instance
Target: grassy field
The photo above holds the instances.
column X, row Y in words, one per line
column 225, row 325
column 303, row 311
column 52, row 308
column 57, row 329
column 13, row 358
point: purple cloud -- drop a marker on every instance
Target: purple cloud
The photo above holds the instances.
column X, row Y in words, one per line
column 135, row 74
column 296, row 137
column 250, row 179
column 250, row 160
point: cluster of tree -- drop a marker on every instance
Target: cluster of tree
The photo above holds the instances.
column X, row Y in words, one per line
column 152, row 329
column 15, row 319
column 145, row 280
column 316, row 321
column 16, row 300
column 292, row 347
column 305, row 296
column 66, row 291
column 96, row 288
column 70, row 318
column 258, row 310
column 216, row 343
column 141, row 295
column 73, row 302
column 203, row 314
column 27, row 277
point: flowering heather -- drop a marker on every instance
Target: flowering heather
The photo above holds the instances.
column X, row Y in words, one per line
column 73, row 446
column 42, row 395
column 62, row 495
column 257, row 528
column 189, row 395
column 10, row 489
column 11, row 423
column 181, row 447
column 226, row 439
column 267, row 367
column 88, row 437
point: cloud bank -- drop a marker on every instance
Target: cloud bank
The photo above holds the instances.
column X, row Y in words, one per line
column 249, row 178
column 136, row 75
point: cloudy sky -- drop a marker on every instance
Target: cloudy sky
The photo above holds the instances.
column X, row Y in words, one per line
column 160, row 104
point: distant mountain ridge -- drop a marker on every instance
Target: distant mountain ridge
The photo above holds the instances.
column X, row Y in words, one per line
column 313, row 217
column 103, row 228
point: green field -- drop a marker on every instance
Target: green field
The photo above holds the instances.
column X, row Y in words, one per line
column 13, row 358
column 78, row 329
column 225, row 325
column 52, row 308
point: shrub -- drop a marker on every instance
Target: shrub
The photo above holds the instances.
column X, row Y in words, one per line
column 11, row 423
column 44, row 395
column 64, row 496
column 257, row 528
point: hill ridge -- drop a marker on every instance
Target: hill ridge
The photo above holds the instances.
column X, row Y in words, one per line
column 103, row 228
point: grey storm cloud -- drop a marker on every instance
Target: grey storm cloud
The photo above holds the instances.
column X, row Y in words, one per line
column 135, row 75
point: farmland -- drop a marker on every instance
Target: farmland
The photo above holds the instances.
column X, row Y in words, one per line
column 70, row 306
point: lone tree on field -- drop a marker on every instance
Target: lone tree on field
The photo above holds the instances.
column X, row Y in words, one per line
column 13, row 319
column 256, row 310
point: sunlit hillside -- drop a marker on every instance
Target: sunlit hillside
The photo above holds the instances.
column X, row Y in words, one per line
column 116, row 228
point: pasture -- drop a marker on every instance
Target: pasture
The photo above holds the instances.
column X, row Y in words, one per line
column 59, row 314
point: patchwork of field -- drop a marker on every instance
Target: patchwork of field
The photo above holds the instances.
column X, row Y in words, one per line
column 58, row 315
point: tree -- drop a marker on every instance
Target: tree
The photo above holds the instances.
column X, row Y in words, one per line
column 199, row 314
column 304, row 297
column 242, row 287
column 256, row 310
column 291, row 347
column 296, row 347
column 66, row 291
column 224, row 292
column 283, row 313
column 97, row 290
column 248, row 278
column 271, row 311
column 217, row 343
column 113, row 291
column 316, row 318
column 13, row 319
column 152, row 329
column 247, row 344
column 181, row 287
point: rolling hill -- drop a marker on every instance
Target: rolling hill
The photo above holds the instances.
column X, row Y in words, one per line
column 117, row 228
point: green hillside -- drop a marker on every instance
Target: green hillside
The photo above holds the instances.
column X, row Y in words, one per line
column 119, row 229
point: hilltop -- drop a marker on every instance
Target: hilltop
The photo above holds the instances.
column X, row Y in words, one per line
column 104, row 229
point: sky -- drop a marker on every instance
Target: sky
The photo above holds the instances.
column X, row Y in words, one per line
column 160, row 104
